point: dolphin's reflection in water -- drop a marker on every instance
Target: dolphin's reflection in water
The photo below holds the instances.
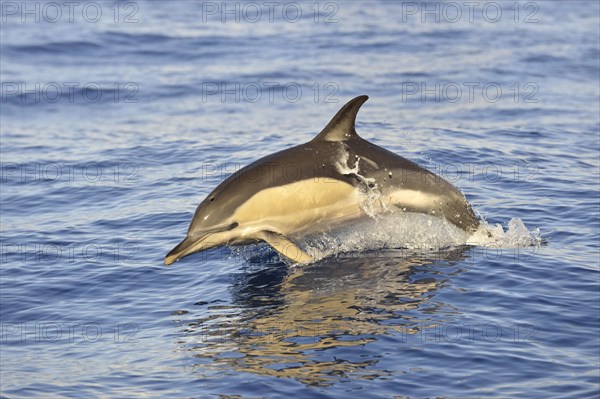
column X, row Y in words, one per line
column 303, row 323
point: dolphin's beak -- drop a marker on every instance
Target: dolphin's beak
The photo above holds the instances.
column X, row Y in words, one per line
column 199, row 242
column 186, row 247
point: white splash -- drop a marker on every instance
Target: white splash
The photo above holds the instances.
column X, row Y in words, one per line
column 370, row 197
column 516, row 235
column 415, row 231
column 400, row 230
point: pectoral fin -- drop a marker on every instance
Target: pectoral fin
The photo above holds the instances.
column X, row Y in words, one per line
column 285, row 247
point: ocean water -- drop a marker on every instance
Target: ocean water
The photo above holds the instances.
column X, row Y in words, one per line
column 118, row 118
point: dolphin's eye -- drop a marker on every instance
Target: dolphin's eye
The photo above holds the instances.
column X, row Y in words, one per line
column 212, row 199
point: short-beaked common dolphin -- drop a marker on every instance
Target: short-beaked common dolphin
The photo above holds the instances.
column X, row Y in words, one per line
column 334, row 179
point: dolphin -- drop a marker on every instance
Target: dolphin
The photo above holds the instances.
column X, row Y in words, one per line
column 333, row 180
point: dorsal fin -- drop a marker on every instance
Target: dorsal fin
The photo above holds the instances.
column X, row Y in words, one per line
column 341, row 127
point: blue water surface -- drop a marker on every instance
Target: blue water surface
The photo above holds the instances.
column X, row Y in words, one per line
column 118, row 118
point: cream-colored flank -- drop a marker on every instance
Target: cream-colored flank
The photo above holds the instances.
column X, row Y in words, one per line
column 412, row 198
column 296, row 207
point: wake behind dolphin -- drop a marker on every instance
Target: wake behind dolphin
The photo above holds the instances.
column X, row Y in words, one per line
column 334, row 180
